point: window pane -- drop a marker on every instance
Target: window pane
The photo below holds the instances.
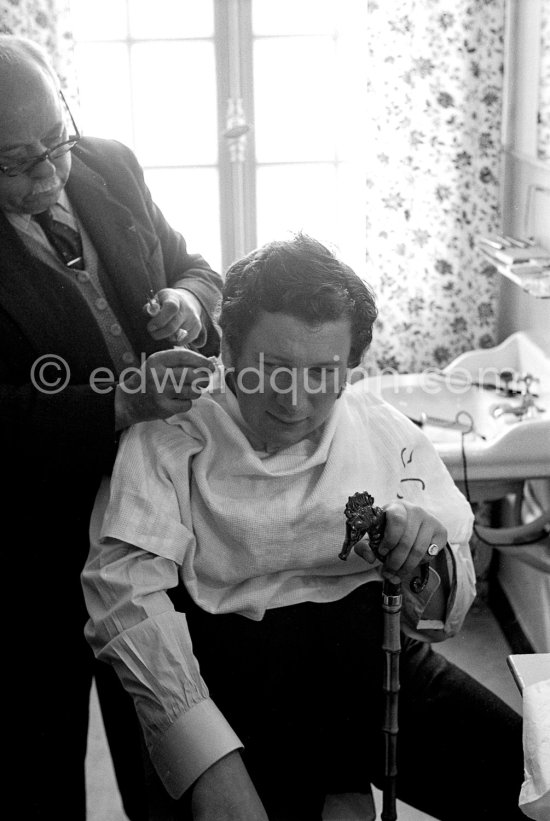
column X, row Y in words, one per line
column 99, row 20
column 104, row 90
column 189, row 200
column 171, row 18
column 349, row 109
column 175, row 115
column 325, row 201
column 296, row 198
column 293, row 16
column 293, row 95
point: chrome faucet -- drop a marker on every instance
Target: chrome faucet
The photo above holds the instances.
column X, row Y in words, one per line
column 527, row 406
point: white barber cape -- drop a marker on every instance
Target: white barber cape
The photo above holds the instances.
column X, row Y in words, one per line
column 253, row 530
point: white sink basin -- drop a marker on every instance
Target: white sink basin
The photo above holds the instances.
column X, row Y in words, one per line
column 452, row 410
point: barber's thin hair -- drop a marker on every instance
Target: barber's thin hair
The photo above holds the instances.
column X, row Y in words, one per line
column 300, row 277
column 20, row 51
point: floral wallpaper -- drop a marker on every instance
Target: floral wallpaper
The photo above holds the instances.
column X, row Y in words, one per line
column 47, row 22
column 543, row 136
column 434, row 102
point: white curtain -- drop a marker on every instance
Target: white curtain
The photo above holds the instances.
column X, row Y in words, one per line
column 434, row 101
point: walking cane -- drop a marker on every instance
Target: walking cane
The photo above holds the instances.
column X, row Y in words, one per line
column 391, row 644
column 363, row 518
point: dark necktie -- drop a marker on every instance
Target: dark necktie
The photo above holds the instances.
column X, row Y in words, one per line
column 63, row 238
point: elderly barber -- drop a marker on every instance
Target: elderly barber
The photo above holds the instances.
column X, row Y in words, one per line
column 214, row 586
column 83, row 247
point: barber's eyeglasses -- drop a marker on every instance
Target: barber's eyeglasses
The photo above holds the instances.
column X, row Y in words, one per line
column 24, row 166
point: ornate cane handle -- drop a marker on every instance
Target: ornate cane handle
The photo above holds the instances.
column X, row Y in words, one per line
column 364, row 518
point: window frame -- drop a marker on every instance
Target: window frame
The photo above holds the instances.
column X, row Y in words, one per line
column 236, row 166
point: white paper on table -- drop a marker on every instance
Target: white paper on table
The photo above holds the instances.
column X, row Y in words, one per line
column 534, row 799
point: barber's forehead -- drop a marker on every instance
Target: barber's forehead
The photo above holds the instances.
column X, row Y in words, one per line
column 29, row 102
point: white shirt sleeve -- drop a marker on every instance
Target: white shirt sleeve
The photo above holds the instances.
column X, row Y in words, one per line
column 134, row 626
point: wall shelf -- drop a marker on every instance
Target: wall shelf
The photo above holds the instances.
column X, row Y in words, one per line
column 537, row 286
column 524, row 262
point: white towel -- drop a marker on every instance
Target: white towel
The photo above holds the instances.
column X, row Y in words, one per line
column 534, row 799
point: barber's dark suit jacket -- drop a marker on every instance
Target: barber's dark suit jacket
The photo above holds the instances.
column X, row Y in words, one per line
column 54, row 448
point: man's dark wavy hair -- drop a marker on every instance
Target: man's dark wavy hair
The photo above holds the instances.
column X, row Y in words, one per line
column 300, row 277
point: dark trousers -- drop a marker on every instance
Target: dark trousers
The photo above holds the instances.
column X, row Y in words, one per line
column 49, row 669
column 303, row 690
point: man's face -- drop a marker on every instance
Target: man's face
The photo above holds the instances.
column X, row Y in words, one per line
column 288, row 376
column 31, row 120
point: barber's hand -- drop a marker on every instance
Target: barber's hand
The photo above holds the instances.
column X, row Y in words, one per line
column 166, row 384
column 225, row 792
column 409, row 532
column 180, row 310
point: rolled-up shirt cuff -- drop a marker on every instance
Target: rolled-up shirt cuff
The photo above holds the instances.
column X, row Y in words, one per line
column 195, row 741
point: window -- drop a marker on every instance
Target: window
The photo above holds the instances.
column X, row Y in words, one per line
column 246, row 115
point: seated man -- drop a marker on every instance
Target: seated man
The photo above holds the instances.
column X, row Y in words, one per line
column 218, row 546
